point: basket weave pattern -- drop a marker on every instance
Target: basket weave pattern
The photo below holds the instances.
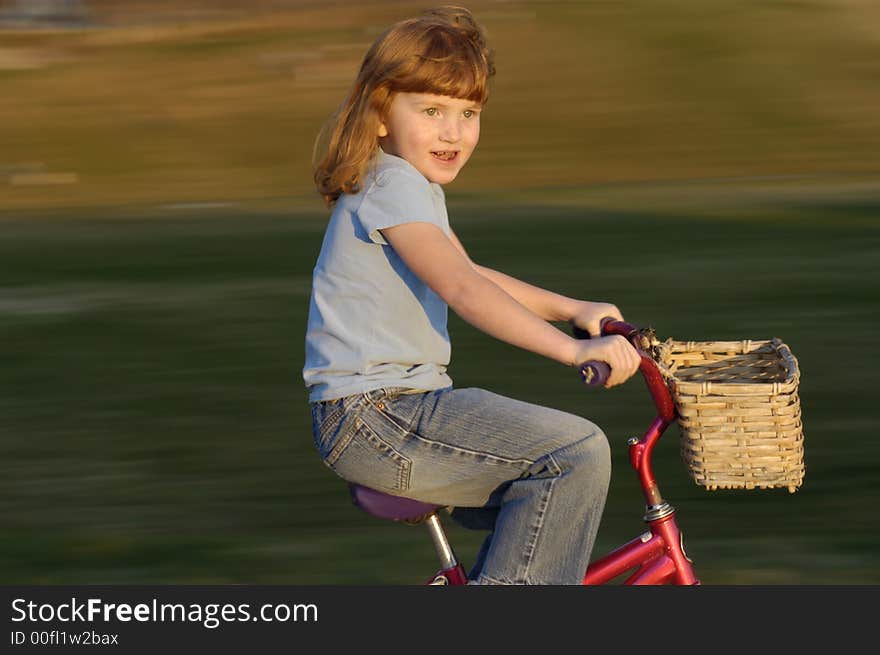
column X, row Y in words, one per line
column 739, row 412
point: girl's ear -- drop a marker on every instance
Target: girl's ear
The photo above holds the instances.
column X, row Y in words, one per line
column 383, row 131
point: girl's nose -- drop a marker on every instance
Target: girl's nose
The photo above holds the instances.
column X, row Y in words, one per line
column 450, row 131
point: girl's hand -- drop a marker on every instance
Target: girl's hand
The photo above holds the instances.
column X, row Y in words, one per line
column 615, row 351
column 589, row 314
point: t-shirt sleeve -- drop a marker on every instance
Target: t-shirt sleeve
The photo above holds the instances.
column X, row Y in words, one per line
column 396, row 197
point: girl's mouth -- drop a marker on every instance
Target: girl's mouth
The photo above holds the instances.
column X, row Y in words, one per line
column 444, row 155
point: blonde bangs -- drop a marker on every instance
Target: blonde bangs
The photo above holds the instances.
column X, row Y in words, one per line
column 447, row 77
column 457, row 70
column 439, row 56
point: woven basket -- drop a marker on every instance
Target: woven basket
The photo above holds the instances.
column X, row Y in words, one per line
column 739, row 412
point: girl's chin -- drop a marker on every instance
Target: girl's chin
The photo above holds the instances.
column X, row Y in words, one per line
column 441, row 178
column 442, row 174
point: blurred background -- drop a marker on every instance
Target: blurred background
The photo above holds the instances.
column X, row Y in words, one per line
column 713, row 168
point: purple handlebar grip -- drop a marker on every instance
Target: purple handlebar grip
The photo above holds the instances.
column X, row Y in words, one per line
column 595, row 373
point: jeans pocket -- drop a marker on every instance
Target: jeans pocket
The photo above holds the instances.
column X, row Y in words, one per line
column 364, row 457
column 397, row 408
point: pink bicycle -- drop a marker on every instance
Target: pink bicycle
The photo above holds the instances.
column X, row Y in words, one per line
column 655, row 557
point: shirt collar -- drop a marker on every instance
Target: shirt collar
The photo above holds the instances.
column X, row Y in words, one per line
column 383, row 157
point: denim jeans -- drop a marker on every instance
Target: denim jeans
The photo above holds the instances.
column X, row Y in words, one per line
column 535, row 477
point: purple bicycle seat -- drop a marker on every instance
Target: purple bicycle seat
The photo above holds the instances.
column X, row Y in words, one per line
column 386, row 506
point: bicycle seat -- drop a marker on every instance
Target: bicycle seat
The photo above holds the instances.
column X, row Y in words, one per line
column 386, row 506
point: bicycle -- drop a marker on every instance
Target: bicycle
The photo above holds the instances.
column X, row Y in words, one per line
column 655, row 557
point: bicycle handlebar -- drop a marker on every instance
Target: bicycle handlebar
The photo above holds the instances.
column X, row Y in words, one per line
column 596, row 372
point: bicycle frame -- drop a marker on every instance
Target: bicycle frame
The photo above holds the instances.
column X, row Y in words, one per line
column 658, row 556
column 655, row 557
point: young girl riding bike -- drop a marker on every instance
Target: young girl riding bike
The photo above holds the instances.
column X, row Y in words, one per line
column 385, row 412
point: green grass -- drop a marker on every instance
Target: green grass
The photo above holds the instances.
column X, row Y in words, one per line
column 155, row 428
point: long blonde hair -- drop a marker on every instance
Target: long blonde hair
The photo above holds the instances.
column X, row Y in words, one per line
column 442, row 52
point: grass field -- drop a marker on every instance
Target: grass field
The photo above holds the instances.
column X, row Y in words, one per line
column 155, row 425
column 712, row 168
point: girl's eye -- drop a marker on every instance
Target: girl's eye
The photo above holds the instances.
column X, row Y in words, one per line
column 431, row 111
column 468, row 113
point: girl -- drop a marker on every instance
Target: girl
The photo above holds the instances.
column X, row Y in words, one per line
column 384, row 409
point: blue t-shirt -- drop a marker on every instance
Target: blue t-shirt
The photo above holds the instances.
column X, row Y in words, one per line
column 372, row 322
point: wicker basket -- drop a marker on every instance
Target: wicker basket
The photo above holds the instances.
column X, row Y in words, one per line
column 739, row 412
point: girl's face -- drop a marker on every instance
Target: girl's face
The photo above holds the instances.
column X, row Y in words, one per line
column 436, row 134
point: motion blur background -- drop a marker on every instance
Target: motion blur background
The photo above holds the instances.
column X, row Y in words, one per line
column 711, row 167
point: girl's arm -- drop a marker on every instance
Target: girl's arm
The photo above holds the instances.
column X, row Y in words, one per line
column 480, row 301
column 548, row 305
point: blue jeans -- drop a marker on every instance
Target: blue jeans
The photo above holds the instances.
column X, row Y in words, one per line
column 535, row 477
